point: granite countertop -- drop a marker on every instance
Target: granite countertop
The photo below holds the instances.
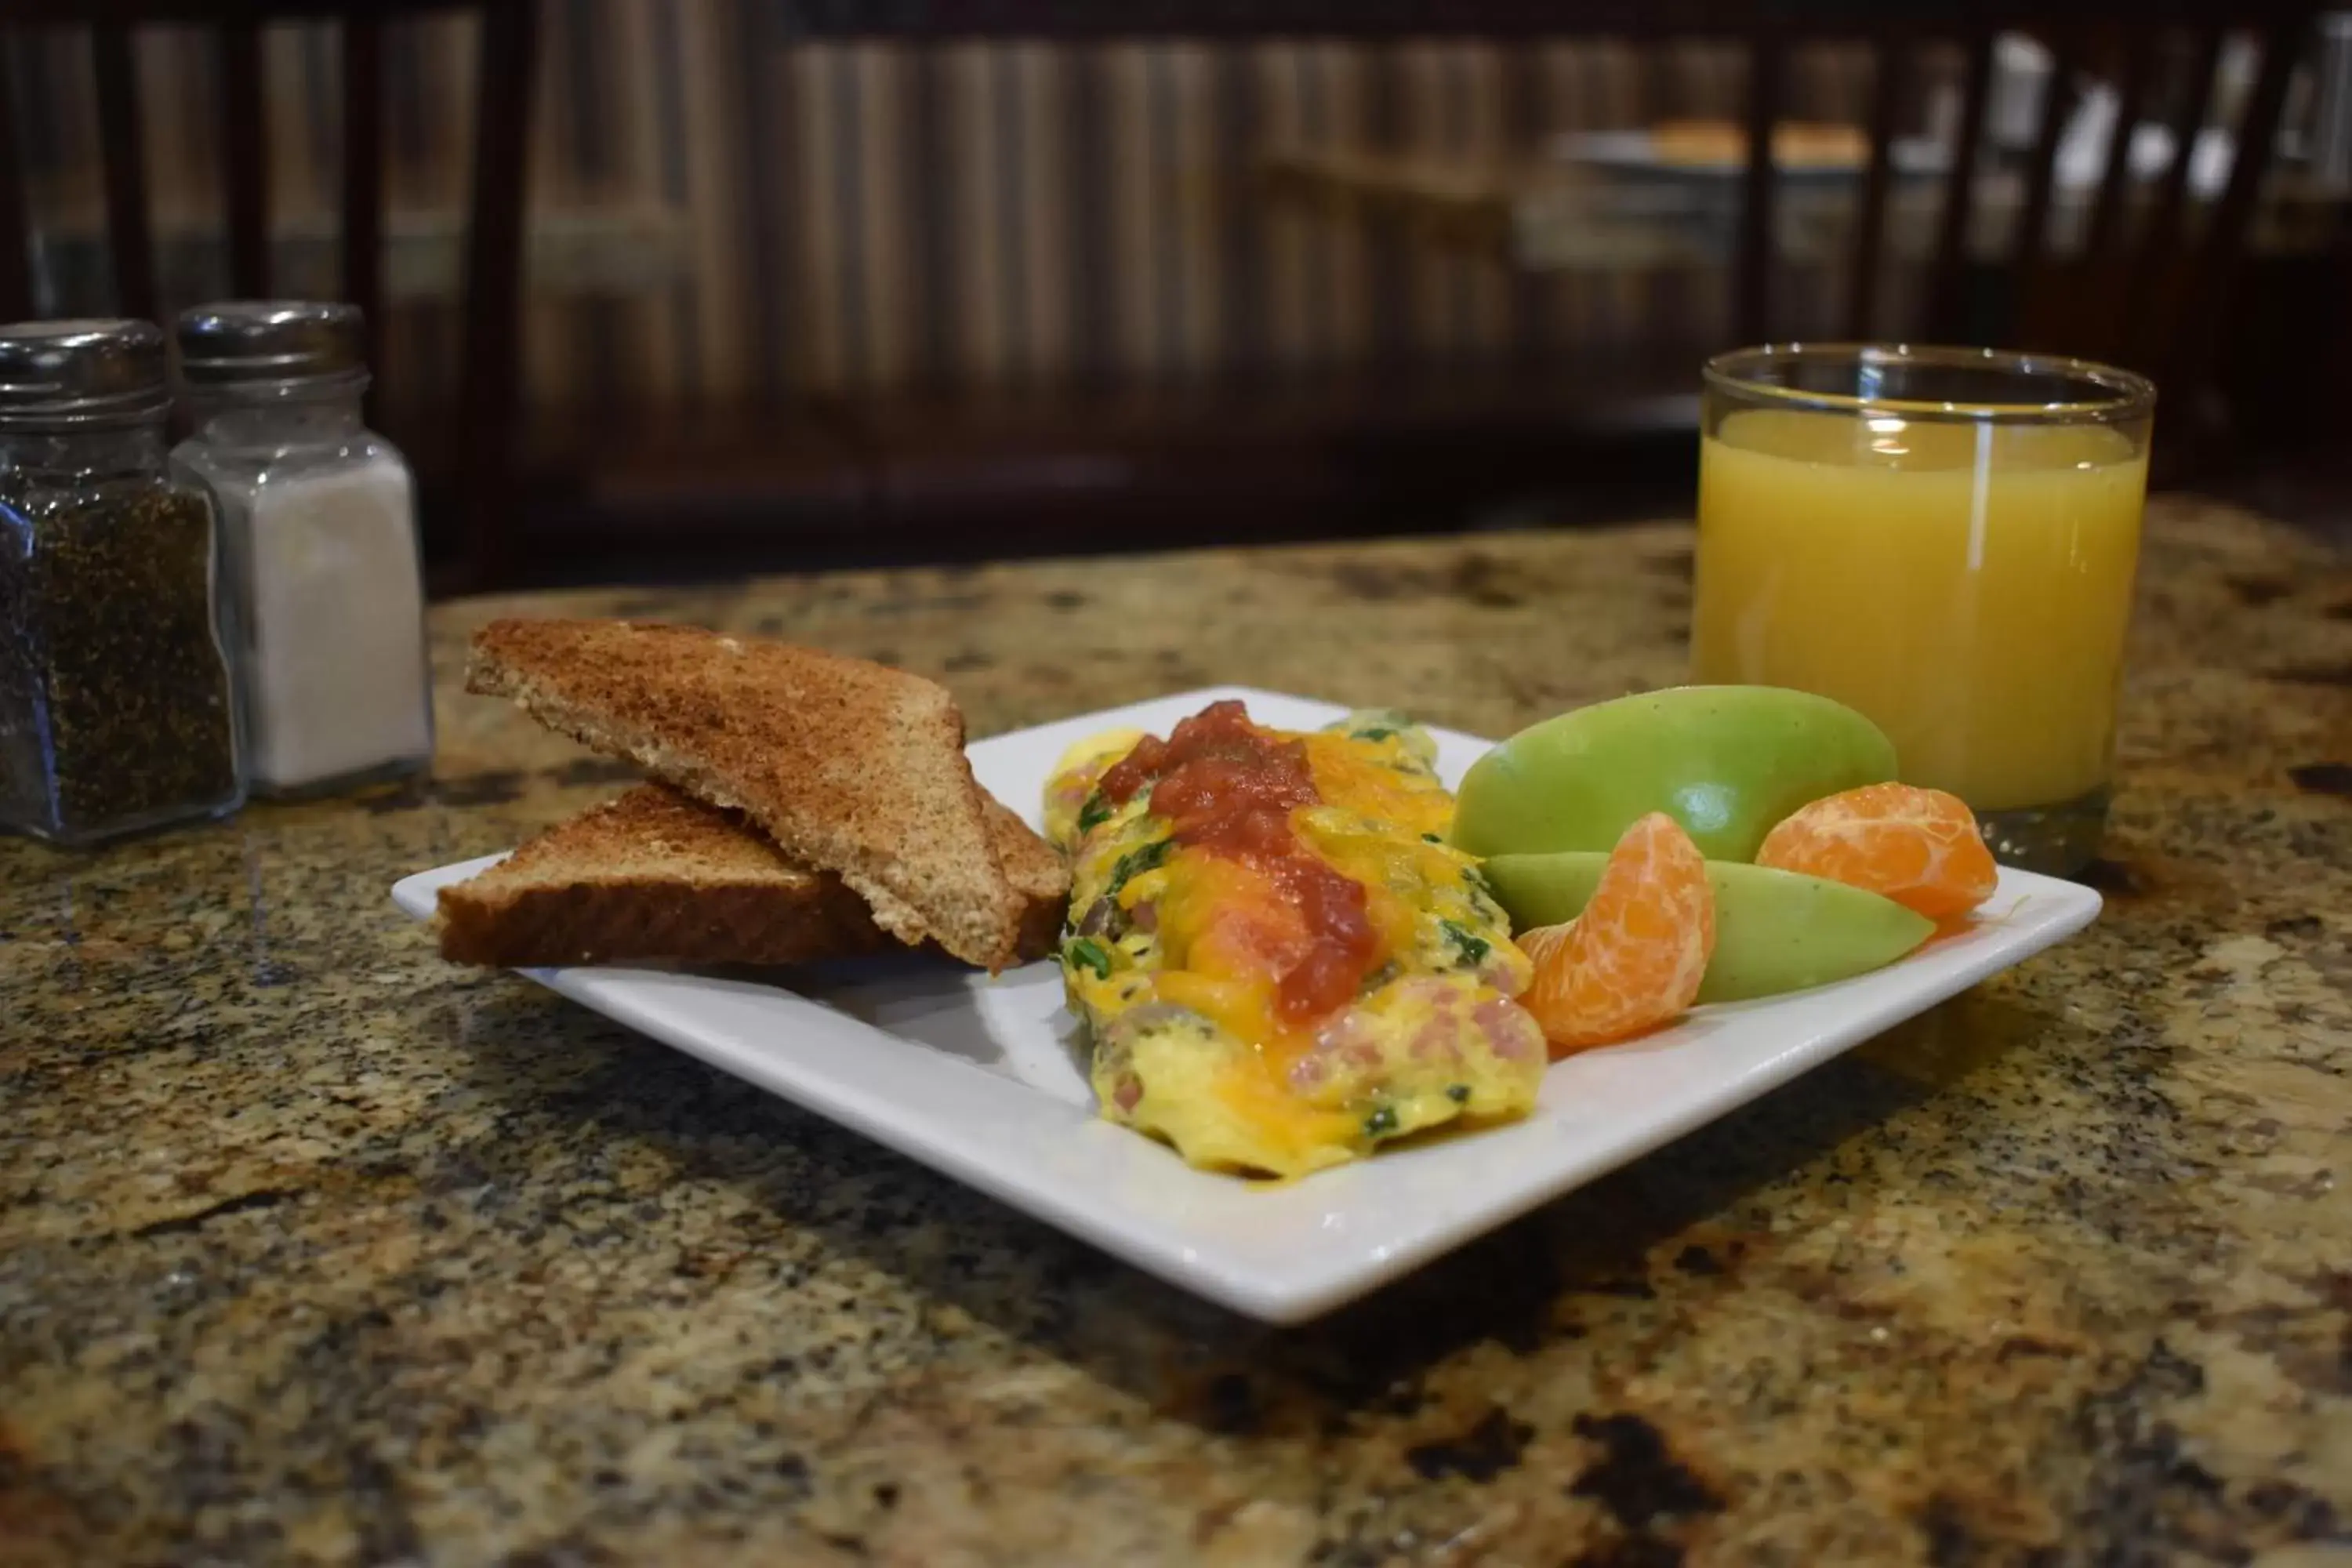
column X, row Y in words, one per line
column 315, row 1250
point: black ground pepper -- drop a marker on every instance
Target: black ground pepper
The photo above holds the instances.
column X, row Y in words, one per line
column 115, row 706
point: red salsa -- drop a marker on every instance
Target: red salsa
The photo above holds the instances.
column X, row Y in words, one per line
column 1228, row 789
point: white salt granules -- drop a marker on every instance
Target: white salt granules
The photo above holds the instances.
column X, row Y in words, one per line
column 335, row 680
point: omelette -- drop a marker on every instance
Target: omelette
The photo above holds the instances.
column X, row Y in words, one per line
column 1282, row 962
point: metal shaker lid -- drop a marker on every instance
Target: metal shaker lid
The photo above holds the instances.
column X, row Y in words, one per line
column 269, row 339
column 82, row 372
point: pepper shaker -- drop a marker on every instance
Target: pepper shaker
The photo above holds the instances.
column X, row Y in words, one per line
column 319, row 526
column 117, row 708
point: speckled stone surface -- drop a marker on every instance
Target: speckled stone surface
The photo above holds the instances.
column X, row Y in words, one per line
column 313, row 1250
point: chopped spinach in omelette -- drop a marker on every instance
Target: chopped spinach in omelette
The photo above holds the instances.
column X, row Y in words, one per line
column 1282, row 963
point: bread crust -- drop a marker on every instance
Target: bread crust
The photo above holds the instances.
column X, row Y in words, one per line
column 653, row 876
column 850, row 767
column 657, row 876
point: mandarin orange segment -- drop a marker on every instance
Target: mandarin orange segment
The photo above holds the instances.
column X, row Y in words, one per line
column 1918, row 846
column 1634, row 958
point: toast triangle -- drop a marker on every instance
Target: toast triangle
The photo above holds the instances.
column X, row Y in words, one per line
column 657, row 876
column 849, row 767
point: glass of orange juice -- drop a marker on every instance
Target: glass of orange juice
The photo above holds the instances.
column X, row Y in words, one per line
column 1944, row 539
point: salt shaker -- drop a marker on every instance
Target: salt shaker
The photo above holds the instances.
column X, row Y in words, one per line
column 319, row 523
column 117, row 707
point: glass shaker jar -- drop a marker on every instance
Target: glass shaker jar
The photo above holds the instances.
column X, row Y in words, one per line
column 117, row 709
column 318, row 527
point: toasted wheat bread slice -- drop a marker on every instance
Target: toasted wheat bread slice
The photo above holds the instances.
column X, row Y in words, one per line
column 653, row 875
column 1038, row 874
column 850, row 767
column 658, row 875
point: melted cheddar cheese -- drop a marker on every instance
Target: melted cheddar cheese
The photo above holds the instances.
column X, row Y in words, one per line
column 1295, row 967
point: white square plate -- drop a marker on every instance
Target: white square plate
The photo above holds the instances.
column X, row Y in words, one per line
column 984, row 1080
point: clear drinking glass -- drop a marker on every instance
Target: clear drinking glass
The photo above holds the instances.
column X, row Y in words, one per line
column 1944, row 539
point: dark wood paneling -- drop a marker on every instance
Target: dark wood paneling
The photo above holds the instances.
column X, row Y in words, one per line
column 2131, row 103
column 16, row 218
column 1524, row 124
column 1950, row 266
column 1400, row 19
column 492, row 383
column 2220, row 250
column 245, row 167
column 122, row 143
column 2159, row 240
column 215, row 13
column 1087, row 107
column 1891, row 69
column 926, row 153
column 1752, row 304
column 1242, row 226
column 364, row 173
column 2057, row 105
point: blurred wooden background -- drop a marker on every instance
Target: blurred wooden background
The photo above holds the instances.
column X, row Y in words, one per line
column 799, row 300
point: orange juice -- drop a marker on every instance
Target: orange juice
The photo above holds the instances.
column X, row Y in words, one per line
column 1965, row 584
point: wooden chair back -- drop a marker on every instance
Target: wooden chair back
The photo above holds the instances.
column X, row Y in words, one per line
column 2169, row 257
column 2129, row 39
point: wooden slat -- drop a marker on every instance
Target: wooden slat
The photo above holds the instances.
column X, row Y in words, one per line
column 2224, row 243
column 363, row 174
column 1890, row 63
column 2033, row 235
column 1095, row 20
column 926, row 152
column 2115, row 180
column 1387, row 244
column 1944, row 309
column 1093, row 303
column 124, row 150
column 1525, row 126
column 1240, row 119
column 2159, row 240
column 2222, row 247
column 493, row 348
column 245, row 168
column 764, row 194
column 209, row 14
column 1752, row 307
column 15, row 220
